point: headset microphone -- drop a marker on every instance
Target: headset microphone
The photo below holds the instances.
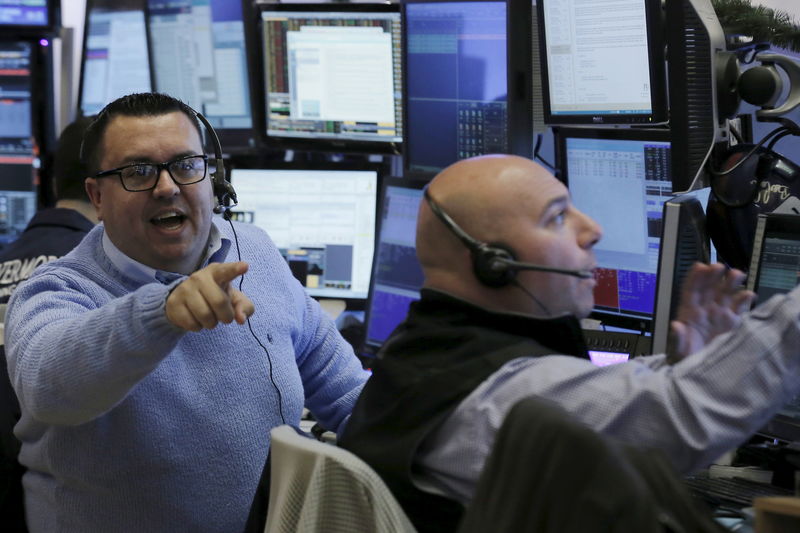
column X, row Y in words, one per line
column 494, row 264
column 500, row 262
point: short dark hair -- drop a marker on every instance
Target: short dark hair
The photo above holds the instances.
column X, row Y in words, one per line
column 68, row 172
column 132, row 105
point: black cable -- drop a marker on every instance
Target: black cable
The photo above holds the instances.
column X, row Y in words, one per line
column 768, row 136
column 536, row 153
column 778, row 137
column 521, row 287
column 250, row 326
column 779, row 132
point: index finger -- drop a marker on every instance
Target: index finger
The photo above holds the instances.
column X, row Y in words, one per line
column 224, row 273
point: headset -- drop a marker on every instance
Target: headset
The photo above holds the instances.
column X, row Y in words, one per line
column 223, row 190
column 494, row 264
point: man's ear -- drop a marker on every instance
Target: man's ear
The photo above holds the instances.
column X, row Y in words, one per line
column 93, row 192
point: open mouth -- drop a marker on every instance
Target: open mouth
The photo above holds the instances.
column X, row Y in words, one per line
column 169, row 220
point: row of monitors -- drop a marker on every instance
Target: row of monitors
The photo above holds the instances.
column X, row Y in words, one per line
column 439, row 77
column 18, row 150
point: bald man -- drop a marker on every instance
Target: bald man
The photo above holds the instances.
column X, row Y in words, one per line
column 469, row 350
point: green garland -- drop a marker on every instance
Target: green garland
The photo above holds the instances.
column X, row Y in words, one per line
column 739, row 17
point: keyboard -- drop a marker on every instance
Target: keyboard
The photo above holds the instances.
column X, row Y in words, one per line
column 617, row 341
column 737, row 492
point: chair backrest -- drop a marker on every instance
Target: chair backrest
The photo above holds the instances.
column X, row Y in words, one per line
column 316, row 487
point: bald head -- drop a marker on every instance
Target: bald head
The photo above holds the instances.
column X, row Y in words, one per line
column 483, row 195
column 506, row 200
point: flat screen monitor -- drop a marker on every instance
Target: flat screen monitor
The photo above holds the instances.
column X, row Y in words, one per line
column 332, row 76
column 602, row 61
column 29, row 16
column 456, row 72
column 775, row 269
column 115, row 59
column 396, row 274
column 198, row 53
column 684, row 242
column 322, row 220
column 620, row 178
column 17, row 147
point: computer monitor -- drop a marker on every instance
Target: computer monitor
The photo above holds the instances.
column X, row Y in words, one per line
column 332, row 76
column 396, row 274
column 775, row 269
column 29, row 16
column 684, row 242
column 458, row 61
column 322, row 220
column 620, row 178
column 17, row 146
column 602, row 62
column 198, row 55
column 115, row 59
column 775, row 263
column 694, row 40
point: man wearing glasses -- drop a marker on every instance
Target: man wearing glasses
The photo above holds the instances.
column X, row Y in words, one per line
column 144, row 407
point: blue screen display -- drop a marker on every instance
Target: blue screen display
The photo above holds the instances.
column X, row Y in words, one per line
column 456, row 88
column 397, row 276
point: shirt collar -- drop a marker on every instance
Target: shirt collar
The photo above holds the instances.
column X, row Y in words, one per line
column 216, row 250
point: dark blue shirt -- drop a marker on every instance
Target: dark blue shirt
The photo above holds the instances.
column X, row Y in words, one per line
column 50, row 234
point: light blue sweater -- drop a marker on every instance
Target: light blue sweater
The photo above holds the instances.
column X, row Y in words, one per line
column 130, row 424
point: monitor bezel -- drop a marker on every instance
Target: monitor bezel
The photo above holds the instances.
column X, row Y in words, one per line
column 633, row 322
column 382, row 171
column 519, row 83
column 370, row 349
column 322, row 145
column 21, row 31
column 656, row 53
column 90, row 5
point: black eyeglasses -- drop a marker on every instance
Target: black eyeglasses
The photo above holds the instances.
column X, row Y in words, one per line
column 144, row 176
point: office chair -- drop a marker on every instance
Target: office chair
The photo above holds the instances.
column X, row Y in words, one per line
column 317, row 487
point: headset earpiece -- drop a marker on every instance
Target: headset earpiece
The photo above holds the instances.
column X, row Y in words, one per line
column 491, row 264
column 494, row 264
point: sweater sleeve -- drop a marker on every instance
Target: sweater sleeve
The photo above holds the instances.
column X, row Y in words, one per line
column 71, row 359
column 332, row 375
column 693, row 411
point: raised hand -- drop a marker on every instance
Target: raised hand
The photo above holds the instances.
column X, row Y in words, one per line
column 207, row 298
column 712, row 301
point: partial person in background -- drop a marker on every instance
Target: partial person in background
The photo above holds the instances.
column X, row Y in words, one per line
column 51, row 233
column 485, row 335
column 149, row 371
